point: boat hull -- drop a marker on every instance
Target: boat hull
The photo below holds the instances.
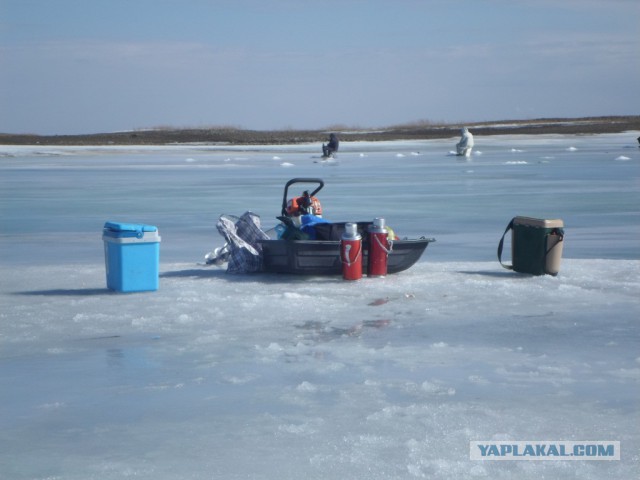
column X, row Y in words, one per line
column 322, row 257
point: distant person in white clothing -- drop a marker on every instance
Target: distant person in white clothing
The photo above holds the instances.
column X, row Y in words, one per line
column 464, row 146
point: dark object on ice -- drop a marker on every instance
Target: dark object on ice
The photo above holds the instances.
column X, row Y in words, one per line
column 322, row 255
column 330, row 148
column 536, row 245
column 307, row 244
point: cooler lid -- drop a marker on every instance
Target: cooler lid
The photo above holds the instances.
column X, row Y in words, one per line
column 119, row 229
column 538, row 222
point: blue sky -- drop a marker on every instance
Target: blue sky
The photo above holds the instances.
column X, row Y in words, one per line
column 85, row 66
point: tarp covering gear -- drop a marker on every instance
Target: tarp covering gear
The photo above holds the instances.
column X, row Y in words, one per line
column 242, row 235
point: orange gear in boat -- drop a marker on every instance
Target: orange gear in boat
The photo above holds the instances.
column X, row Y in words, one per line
column 304, row 205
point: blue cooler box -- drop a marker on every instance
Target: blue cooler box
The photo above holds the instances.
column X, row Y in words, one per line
column 132, row 256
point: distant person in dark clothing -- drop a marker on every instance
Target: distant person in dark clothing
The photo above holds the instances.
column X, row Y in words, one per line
column 330, row 148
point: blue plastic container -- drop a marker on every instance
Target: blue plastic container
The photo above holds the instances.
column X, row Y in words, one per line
column 132, row 256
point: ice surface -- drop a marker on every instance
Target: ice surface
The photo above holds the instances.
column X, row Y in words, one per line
column 275, row 376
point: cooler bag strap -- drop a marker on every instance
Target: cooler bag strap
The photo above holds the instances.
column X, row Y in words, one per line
column 501, row 245
column 556, row 231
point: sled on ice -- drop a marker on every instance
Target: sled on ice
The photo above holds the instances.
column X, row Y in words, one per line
column 304, row 243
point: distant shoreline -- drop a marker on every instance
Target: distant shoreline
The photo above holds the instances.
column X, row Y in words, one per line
column 415, row 131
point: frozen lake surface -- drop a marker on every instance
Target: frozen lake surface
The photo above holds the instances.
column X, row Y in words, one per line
column 275, row 376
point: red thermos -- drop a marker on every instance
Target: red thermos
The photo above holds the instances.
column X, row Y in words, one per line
column 379, row 249
column 351, row 252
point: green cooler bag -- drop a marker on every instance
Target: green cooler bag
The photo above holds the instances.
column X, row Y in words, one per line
column 536, row 245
